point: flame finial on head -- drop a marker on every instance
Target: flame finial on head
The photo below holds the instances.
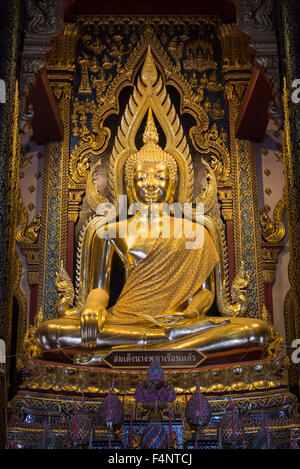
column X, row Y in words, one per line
column 150, row 151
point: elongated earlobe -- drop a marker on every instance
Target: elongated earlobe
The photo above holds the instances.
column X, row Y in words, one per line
column 129, row 195
column 172, row 192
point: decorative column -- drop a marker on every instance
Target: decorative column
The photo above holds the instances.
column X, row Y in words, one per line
column 27, row 237
column 288, row 14
column 31, row 252
column 10, row 37
column 75, row 198
column 10, row 28
column 225, row 197
column 237, row 66
column 57, row 237
column 270, row 254
column 42, row 24
column 272, row 232
column 50, row 244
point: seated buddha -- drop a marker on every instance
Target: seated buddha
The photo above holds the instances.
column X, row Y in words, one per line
column 169, row 286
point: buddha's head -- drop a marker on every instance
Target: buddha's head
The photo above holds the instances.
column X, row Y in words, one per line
column 151, row 173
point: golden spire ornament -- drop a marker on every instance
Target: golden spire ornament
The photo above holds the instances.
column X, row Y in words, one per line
column 149, row 73
column 150, row 135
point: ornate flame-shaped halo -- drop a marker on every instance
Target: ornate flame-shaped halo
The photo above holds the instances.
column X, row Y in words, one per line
column 151, row 92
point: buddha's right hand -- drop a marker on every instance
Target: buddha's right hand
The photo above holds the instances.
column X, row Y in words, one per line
column 93, row 317
column 91, row 321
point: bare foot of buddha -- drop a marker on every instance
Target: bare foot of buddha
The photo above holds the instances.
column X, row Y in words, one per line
column 87, row 358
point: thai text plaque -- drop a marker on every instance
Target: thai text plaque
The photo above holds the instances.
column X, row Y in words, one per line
column 143, row 358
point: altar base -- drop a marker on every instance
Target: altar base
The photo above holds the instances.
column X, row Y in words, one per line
column 52, row 391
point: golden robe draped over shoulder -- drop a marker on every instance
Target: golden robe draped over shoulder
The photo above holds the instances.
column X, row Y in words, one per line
column 164, row 281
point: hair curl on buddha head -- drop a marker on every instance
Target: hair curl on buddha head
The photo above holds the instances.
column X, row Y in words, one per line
column 150, row 152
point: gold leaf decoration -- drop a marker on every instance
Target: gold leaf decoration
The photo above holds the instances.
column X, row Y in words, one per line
column 27, row 233
column 274, row 231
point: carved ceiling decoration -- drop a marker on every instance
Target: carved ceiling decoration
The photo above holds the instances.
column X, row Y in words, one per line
column 44, row 22
column 255, row 19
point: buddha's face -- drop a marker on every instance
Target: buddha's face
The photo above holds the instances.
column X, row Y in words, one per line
column 151, row 183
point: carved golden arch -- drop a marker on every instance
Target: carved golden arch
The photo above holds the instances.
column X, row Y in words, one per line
column 151, row 92
column 205, row 140
column 170, row 76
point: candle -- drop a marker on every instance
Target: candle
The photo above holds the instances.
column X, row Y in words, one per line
column 131, row 426
column 44, row 434
column 75, row 424
column 171, row 429
column 233, row 419
column 268, row 435
column 200, row 400
column 294, row 443
column 109, row 402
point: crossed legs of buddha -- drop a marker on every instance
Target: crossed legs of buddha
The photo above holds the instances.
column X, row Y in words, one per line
column 208, row 335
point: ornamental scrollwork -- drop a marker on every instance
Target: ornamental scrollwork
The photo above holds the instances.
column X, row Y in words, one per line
column 240, row 301
column 89, row 145
column 255, row 15
column 44, row 18
column 30, row 345
column 251, row 376
column 212, row 144
column 45, row 21
column 27, row 233
column 274, row 231
column 65, row 292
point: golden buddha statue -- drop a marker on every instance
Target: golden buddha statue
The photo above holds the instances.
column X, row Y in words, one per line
column 168, row 287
